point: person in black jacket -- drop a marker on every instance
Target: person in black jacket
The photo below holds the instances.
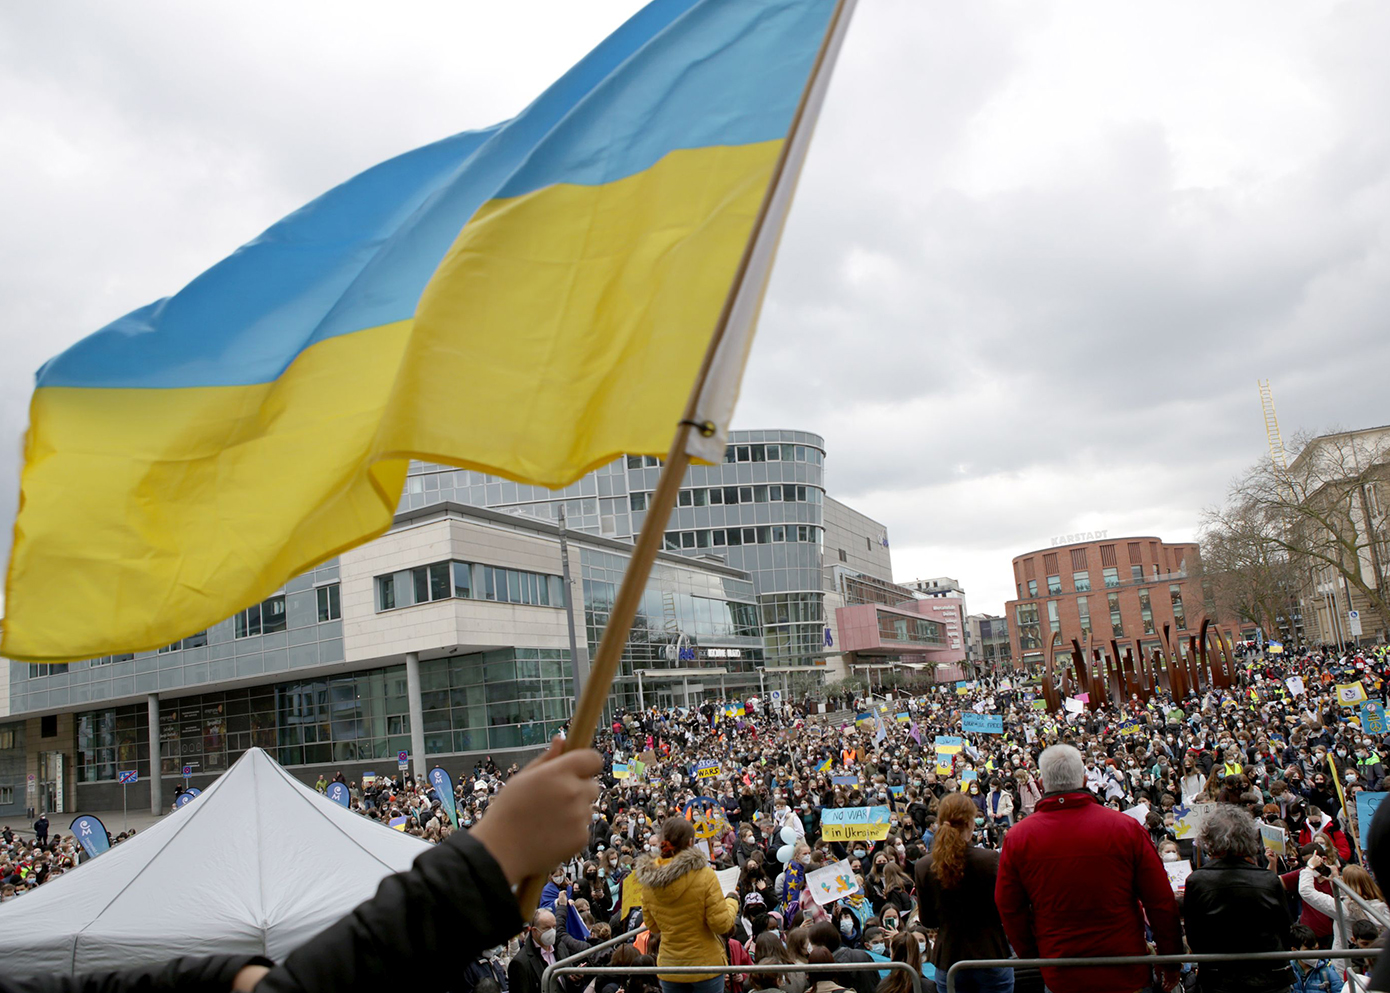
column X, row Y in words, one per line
column 454, row 901
column 1232, row 905
column 546, row 942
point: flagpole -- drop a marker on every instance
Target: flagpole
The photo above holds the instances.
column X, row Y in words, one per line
column 610, row 649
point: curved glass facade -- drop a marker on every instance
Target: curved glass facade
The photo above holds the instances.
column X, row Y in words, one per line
column 761, row 510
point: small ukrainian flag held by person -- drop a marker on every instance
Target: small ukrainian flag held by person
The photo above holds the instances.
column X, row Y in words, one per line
column 532, row 299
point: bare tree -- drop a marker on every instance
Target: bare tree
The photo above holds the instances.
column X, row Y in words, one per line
column 1325, row 512
column 1250, row 572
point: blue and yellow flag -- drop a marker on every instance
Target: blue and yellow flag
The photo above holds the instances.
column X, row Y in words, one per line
column 824, row 766
column 533, row 299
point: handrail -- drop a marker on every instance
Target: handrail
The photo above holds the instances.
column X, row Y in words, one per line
column 1371, row 912
column 1104, row 960
column 549, row 976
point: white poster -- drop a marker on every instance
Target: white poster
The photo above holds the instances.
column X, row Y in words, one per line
column 1295, row 685
column 1074, row 706
column 1138, row 812
column 1191, row 822
column 832, row 882
column 1177, row 874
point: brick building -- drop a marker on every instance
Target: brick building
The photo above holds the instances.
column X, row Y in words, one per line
column 1123, row 589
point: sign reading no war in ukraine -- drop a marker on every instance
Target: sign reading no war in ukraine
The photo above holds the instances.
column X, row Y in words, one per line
column 982, row 723
column 854, row 823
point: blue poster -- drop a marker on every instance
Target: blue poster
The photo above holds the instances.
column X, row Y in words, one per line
column 982, row 723
column 187, row 797
column 1372, row 718
column 444, row 786
column 90, row 834
column 1366, row 804
column 949, row 744
column 844, row 780
column 338, row 793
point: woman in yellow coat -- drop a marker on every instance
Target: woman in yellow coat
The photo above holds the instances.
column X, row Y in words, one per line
column 681, row 902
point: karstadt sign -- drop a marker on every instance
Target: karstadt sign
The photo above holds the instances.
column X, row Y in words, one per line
column 1071, row 539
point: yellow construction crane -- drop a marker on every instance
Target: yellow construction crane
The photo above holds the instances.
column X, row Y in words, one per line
column 1276, row 440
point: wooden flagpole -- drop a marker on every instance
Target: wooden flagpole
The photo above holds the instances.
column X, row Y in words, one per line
column 610, row 649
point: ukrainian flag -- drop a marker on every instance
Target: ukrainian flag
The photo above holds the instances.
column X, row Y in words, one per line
column 824, row 766
column 533, row 299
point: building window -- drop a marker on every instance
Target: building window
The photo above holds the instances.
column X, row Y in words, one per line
column 386, row 592
column 1029, row 634
column 1112, row 577
column 638, row 501
column 1032, row 587
column 843, row 556
column 1136, row 573
column 1083, row 610
column 48, row 726
column 1179, row 616
column 1053, row 621
column 1078, row 559
column 330, row 605
column 7, row 738
column 1081, row 581
column 1054, row 585
column 1146, row 612
column 6, row 795
column 37, row 669
column 266, row 617
column 1117, row 627
column 1107, row 555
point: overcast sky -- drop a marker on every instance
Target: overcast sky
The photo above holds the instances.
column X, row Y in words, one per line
column 1040, row 252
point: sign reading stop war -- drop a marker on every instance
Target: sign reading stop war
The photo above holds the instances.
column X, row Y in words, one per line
column 854, row 823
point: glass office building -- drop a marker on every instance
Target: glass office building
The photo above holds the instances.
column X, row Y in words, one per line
column 760, row 511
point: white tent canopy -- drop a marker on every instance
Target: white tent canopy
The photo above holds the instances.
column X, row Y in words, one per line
column 257, row 864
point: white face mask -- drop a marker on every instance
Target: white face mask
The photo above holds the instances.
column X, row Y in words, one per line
column 546, row 938
column 1170, row 856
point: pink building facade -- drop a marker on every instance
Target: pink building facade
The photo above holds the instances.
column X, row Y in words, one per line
column 913, row 634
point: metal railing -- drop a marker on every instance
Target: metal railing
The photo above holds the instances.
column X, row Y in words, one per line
column 553, row 972
column 1153, row 960
column 1340, row 889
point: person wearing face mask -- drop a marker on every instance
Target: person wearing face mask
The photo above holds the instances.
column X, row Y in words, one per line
column 543, row 945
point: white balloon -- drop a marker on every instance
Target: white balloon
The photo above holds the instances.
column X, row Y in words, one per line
column 788, row 836
column 784, row 854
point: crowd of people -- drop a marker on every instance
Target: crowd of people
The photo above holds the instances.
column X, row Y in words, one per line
column 1227, row 821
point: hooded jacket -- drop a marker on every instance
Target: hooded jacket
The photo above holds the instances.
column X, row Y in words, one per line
column 681, row 900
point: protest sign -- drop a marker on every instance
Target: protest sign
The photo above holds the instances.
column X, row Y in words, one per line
column 1372, row 718
column 943, row 763
column 620, row 770
column 1177, row 874
column 1039, row 704
column 1138, row 812
column 903, row 717
column 1127, row 726
column 982, row 723
column 832, row 882
column 1274, row 839
column 1191, row 819
column 1073, row 705
column 707, row 769
column 852, row 823
column 1349, row 693
column 1366, row 804
column 1295, row 685
column 948, row 745
column 844, row 780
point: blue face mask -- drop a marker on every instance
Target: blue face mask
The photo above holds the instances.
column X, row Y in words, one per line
column 876, row 948
column 859, row 853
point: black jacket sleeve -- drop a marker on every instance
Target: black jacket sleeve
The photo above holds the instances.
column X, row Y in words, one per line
column 183, row 975
column 446, row 908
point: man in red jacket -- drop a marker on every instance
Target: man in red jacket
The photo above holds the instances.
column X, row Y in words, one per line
column 1072, row 878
